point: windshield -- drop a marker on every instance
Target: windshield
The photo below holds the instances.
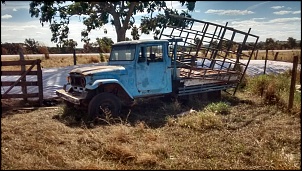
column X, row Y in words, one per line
column 122, row 53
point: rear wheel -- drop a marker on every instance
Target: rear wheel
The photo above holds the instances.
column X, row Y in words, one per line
column 104, row 105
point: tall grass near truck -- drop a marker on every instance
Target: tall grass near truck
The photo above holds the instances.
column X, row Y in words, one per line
column 274, row 89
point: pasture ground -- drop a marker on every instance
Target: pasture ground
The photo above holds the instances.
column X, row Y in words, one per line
column 154, row 135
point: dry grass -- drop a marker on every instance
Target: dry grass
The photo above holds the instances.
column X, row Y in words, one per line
column 54, row 61
column 286, row 56
column 251, row 136
column 156, row 135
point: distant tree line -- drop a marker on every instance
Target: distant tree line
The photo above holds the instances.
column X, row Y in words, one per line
column 31, row 46
column 103, row 45
column 271, row 44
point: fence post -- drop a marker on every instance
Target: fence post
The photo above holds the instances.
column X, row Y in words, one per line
column 23, row 87
column 256, row 55
column 40, row 81
column 265, row 61
column 293, row 83
column 276, row 55
column 74, row 57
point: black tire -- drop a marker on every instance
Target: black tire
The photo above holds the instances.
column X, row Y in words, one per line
column 108, row 102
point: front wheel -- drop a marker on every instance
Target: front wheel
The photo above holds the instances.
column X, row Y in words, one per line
column 104, row 105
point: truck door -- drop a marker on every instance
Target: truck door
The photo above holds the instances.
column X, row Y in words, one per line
column 151, row 70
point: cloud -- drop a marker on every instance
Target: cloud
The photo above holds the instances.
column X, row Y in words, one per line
column 15, row 5
column 277, row 7
column 258, row 18
column 296, row 12
column 175, row 5
column 229, row 12
column 17, row 29
column 279, row 28
column 285, row 20
column 31, row 26
column 15, row 9
column 6, row 16
column 248, row 23
column 282, row 12
column 286, row 12
column 17, row 32
column 257, row 5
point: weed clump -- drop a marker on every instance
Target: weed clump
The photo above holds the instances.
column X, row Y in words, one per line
column 274, row 89
column 218, row 108
column 201, row 121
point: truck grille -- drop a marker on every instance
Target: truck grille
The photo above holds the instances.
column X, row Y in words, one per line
column 77, row 81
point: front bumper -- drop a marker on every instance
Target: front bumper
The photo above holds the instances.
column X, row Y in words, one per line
column 74, row 98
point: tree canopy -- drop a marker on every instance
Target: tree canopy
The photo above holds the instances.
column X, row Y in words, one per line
column 291, row 42
column 96, row 14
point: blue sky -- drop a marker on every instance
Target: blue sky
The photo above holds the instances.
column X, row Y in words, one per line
column 267, row 19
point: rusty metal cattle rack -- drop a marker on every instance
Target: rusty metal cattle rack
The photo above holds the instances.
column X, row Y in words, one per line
column 208, row 48
column 21, row 81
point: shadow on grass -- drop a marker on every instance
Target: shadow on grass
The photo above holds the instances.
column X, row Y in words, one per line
column 14, row 106
column 154, row 112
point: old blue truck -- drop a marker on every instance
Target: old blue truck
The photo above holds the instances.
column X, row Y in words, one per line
column 183, row 61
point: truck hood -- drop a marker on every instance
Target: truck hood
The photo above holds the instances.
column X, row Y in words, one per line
column 98, row 69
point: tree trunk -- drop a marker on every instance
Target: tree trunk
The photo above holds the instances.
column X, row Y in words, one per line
column 121, row 34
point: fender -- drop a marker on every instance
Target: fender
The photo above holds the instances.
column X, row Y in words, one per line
column 97, row 83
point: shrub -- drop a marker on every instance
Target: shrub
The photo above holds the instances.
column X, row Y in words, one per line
column 200, row 121
column 102, row 58
column 274, row 88
column 44, row 50
column 93, row 59
column 219, row 108
column 256, row 85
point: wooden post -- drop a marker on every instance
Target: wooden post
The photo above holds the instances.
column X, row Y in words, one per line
column 276, row 55
column 256, row 55
column 74, row 57
column 265, row 61
column 293, row 83
column 23, row 87
column 40, row 81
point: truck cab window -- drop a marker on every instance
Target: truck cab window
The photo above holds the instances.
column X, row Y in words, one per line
column 154, row 53
column 122, row 53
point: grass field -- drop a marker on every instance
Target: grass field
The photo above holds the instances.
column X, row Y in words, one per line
column 55, row 61
column 286, row 56
column 245, row 131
